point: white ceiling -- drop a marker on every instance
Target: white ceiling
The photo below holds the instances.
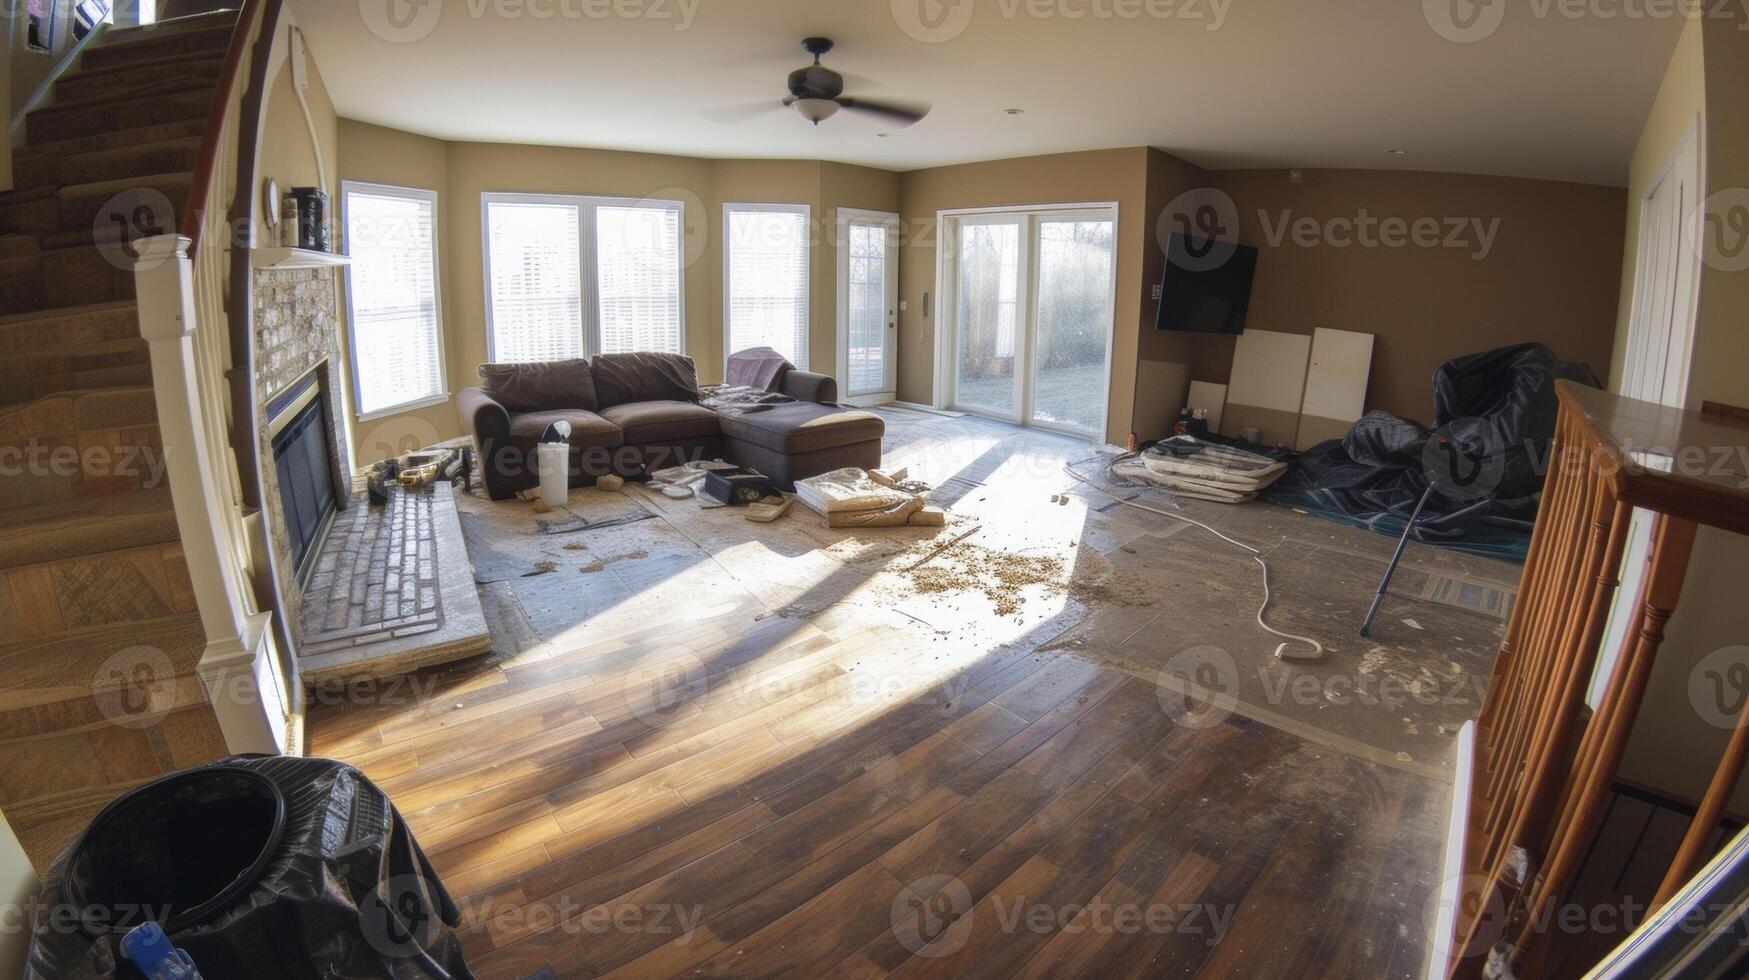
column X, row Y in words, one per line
column 1222, row 83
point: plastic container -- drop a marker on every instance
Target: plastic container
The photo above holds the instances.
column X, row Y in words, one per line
column 265, row 868
column 555, row 483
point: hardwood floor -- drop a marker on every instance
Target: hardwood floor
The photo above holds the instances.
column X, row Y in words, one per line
column 1027, row 815
column 825, row 785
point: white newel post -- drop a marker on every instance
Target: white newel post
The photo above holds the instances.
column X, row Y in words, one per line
column 239, row 668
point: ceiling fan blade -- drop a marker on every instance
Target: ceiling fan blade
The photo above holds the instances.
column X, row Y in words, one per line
column 903, row 113
column 743, row 112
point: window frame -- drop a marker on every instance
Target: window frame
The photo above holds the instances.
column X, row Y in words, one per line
column 807, row 212
column 588, row 264
column 443, row 393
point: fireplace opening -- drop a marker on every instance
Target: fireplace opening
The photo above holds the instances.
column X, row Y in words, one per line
column 306, row 478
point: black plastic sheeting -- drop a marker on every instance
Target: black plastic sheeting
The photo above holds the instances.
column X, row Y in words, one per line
column 340, row 888
column 1493, row 418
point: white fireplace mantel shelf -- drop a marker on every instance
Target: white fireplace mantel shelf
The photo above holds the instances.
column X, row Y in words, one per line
column 285, row 257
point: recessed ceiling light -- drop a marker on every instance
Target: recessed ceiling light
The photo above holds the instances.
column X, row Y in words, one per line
column 1398, row 153
column 1014, row 112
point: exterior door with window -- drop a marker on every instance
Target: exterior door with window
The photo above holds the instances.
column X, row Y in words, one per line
column 868, row 305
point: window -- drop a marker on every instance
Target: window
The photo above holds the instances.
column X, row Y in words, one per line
column 578, row 276
column 397, row 329
column 765, row 269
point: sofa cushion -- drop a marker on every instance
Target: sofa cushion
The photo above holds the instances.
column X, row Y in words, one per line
column 804, row 427
column 645, row 376
column 540, row 385
column 661, row 421
column 587, row 429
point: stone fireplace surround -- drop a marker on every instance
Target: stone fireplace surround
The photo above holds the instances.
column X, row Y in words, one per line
column 337, row 610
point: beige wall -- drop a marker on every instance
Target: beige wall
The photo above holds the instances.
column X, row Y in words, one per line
column 18, row 883
column 1675, row 111
column 26, row 69
column 386, row 156
column 461, row 172
column 1537, row 278
column 1673, row 749
column 1066, row 178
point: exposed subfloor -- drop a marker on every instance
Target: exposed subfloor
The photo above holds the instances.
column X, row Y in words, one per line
column 704, row 744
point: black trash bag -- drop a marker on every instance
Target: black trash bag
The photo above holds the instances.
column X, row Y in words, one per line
column 1494, row 414
column 258, row 867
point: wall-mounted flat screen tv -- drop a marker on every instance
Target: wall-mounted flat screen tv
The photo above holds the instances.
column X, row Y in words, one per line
column 1206, row 286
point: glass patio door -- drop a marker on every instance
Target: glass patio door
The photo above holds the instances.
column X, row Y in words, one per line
column 1072, row 326
column 987, row 316
column 1028, row 316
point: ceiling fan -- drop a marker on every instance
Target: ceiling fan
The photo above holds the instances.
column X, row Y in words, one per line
column 817, row 92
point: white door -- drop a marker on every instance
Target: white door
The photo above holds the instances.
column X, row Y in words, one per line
column 868, row 305
column 1661, row 325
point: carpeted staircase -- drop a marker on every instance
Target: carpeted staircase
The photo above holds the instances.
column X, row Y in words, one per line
column 98, row 632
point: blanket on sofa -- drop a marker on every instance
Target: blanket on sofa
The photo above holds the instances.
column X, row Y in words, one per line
column 735, row 399
column 756, row 367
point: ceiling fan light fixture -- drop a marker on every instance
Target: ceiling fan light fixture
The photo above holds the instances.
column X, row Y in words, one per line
column 815, row 110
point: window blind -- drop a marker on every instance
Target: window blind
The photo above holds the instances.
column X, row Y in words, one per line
column 397, row 340
column 536, row 284
column 767, row 301
column 637, row 257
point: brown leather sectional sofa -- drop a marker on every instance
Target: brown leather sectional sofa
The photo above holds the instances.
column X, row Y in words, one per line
column 632, row 413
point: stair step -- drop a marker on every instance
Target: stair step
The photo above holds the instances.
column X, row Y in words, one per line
column 81, row 274
column 139, row 77
column 173, row 25
column 21, row 275
column 73, row 528
column 51, row 788
column 72, row 328
column 123, row 209
column 151, row 44
column 31, row 211
column 31, row 375
column 26, row 158
column 47, row 685
column 71, row 120
column 72, row 412
column 133, row 160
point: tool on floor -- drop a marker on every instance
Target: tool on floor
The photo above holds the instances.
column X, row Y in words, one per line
column 1396, row 556
column 938, row 549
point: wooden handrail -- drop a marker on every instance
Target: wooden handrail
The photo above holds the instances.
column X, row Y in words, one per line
column 212, row 137
column 1544, row 763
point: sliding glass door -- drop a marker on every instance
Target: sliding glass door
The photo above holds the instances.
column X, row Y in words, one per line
column 1076, row 261
column 986, row 316
column 1028, row 315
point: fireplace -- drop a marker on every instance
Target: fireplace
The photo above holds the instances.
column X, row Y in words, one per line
column 302, row 461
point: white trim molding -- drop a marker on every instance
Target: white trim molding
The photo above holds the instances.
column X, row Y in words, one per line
column 240, row 667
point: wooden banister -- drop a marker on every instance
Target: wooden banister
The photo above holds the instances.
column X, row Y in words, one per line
column 1543, row 769
column 213, row 135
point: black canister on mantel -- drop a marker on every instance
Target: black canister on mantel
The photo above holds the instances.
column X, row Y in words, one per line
column 312, row 219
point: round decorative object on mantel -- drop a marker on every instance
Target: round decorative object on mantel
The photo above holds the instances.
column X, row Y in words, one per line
column 270, row 205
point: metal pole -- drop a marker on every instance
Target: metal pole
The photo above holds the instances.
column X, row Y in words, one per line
column 1396, row 556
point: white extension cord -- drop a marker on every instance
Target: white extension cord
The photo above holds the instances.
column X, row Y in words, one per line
column 1317, row 652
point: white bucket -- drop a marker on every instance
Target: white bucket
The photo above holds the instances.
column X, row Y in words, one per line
column 555, row 459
